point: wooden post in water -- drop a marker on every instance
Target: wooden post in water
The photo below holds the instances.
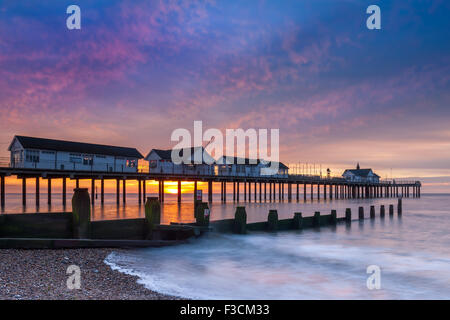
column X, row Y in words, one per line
column 298, row 192
column 24, row 192
column 348, row 215
column 64, row 195
column 382, row 210
column 49, row 191
column 102, row 191
column 140, row 191
column 297, row 221
column 179, row 191
column 2, row 192
column 237, row 191
column 234, row 190
column 333, row 217
column 124, row 191
column 372, row 212
column 38, row 192
column 117, row 191
column 144, row 189
column 361, row 213
column 93, row 191
column 391, row 209
column 81, row 213
column 399, row 207
column 316, row 219
column 272, row 220
column 152, row 215
column 240, row 221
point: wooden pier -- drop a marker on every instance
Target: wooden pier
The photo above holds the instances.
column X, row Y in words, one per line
column 264, row 188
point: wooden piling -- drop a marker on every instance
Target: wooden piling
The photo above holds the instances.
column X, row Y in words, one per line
column 297, row 221
column 117, row 191
column 179, row 191
column 240, row 221
column 102, row 191
column 24, row 192
column 92, row 191
column 348, row 215
column 316, row 219
column 382, row 210
column 399, row 206
column 372, row 212
column 333, row 216
column 152, row 214
column 81, row 213
column 361, row 213
column 2, row 192
column 64, row 191
column 49, row 191
column 272, row 220
column 391, row 209
column 38, row 192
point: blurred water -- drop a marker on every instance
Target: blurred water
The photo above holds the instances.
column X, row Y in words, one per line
column 413, row 253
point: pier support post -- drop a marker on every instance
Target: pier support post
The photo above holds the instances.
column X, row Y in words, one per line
column 144, row 189
column 152, row 214
column 361, row 213
column 249, row 191
column 77, row 183
column 117, row 191
column 312, row 191
column 255, row 191
column 221, row 191
column 260, row 192
column 237, row 191
column 304, row 192
column 102, row 190
column 224, row 191
column 49, row 191
column 2, row 192
column 265, row 191
column 179, row 191
column 318, row 191
column 270, row 191
column 139, row 191
column 399, row 206
column 81, row 213
column 234, row 190
column 298, row 192
column 38, row 192
column 272, row 220
column 240, row 221
column 391, row 210
column 124, row 191
column 382, row 210
column 93, row 191
column 64, row 191
column 195, row 191
column 24, row 192
column 245, row 191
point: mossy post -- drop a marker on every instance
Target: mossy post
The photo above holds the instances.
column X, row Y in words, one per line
column 399, row 207
column 240, row 221
column 361, row 213
column 152, row 213
column 316, row 219
column 297, row 221
column 202, row 214
column 272, row 220
column 372, row 212
column 382, row 210
column 81, row 213
column 333, row 217
column 391, row 209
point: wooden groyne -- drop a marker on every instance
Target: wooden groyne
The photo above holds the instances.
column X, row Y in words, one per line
column 239, row 224
column 75, row 229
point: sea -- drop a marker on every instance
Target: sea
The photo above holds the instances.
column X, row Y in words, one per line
column 399, row 257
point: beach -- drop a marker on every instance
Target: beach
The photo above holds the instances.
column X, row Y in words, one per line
column 41, row 275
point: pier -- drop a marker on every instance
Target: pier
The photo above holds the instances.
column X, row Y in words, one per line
column 259, row 188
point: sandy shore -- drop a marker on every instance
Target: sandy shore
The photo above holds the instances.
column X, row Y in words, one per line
column 41, row 274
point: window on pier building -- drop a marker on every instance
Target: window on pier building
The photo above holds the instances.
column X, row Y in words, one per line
column 88, row 160
column 32, row 155
column 131, row 163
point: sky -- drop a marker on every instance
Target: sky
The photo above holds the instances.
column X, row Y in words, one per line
column 137, row 70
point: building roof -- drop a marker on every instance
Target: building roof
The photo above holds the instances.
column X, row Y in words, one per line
column 361, row 172
column 78, row 147
column 238, row 160
column 167, row 154
column 251, row 162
